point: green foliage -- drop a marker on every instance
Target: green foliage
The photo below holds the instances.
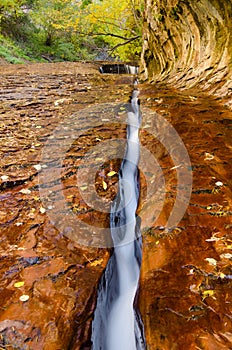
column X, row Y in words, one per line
column 119, row 24
column 11, row 8
column 11, row 52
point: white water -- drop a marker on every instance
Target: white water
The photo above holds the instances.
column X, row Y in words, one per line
column 117, row 325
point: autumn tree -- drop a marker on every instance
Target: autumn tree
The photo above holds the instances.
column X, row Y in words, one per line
column 118, row 23
column 77, row 29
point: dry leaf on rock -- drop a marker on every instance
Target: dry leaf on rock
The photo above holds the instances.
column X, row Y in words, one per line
column 207, row 293
column 96, row 262
column 25, row 191
column 19, row 284
column 24, row 297
column 104, row 184
column 111, row 173
column 211, row 261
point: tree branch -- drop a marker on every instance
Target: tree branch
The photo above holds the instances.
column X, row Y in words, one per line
column 113, row 35
column 125, row 43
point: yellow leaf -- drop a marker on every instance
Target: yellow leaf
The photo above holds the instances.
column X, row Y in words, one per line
column 222, row 275
column 111, row 173
column 104, row 184
column 19, row 284
column 96, row 262
column 207, row 293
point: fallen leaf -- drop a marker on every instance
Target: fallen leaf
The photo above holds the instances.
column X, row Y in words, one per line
column 208, row 156
column 57, row 102
column 96, row 262
column 194, row 288
column 42, row 210
column 176, row 167
column 213, row 239
column 226, row 256
column 207, row 293
column 222, row 275
column 24, row 297
column 25, row 191
column 104, row 184
column 111, row 173
column 211, row 261
column 18, row 224
column 4, row 177
column 19, row 284
column 38, row 167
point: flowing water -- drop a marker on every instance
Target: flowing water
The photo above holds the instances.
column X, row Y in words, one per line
column 117, row 323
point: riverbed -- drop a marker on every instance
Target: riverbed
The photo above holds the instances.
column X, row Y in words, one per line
column 49, row 273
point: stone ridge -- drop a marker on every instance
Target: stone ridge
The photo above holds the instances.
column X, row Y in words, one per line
column 188, row 44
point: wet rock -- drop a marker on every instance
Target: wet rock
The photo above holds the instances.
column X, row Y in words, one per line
column 184, row 298
column 53, row 307
column 188, row 43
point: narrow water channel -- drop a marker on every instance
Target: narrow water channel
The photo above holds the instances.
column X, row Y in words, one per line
column 117, row 323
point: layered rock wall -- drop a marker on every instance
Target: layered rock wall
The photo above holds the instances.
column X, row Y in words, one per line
column 188, row 43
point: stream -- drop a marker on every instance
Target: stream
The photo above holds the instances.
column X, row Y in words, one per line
column 117, row 323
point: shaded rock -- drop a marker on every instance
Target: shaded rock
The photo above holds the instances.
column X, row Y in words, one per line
column 188, row 43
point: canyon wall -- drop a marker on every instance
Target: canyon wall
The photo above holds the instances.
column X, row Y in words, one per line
column 188, row 43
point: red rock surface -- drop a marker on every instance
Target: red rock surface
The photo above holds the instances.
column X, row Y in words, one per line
column 60, row 277
column 185, row 289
